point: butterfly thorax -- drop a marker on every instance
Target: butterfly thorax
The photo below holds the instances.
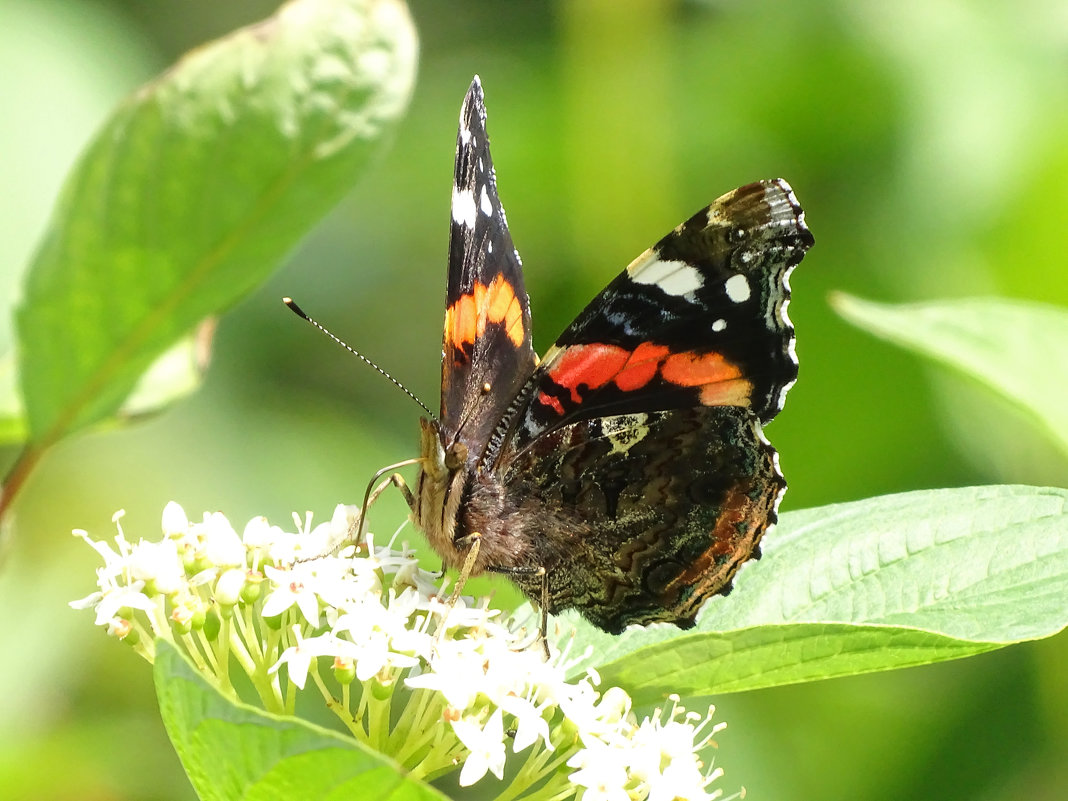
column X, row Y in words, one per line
column 456, row 501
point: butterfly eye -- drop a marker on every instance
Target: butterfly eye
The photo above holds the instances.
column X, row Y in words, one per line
column 456, row 456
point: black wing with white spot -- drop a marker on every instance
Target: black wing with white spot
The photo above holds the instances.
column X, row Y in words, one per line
column 697, row 320
column 486, row 353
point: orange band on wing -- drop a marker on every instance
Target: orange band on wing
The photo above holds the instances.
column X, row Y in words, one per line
column 696, row 370
column 549, row 400
column 641, row 367
column 719, row 381
column 466, row 319
column 736, row 523
column 738, row 392
column 592, row 365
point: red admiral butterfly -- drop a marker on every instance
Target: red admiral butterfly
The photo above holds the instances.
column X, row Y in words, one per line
column 624, row 475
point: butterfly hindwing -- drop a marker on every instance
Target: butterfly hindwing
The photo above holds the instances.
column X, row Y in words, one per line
column 486, row 350
column 643, row 516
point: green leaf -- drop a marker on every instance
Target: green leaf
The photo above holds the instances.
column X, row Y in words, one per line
column 234, row 751
column 178, row 372
column 1016, row 348
column 194, row 190
column 852, row 588
column 12, row 420
column 768, row 656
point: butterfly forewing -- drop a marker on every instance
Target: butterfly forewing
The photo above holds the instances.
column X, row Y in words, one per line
column 486, row 351
column 699, row 319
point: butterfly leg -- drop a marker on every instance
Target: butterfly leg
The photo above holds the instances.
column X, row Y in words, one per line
column 397, row 480
column 468, row 565
column 372, row 493
column 356, row 530
column 465, row 573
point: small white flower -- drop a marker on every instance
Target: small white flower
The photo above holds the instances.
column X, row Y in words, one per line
column 119, row 598
column 531, row 724
column 222, row 546
column 341, row 528
column 259, row 534
column 175, row 523
column 339, row 582
column 289, row 590
column 421, row 660
column 372, row 646
column 602, row 770
column 665, row 755
column 486, row 745
column 116, row 592
column 457, row 673
column 158, row 563
column 578, row 702
column 298, row 658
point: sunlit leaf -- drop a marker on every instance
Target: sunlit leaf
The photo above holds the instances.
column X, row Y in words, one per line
column 233, row 751
column 176, row 373
column 195, row 189
column 1017, row 348
column 12, row 420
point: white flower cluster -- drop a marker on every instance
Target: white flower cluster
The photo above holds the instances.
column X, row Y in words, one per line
column 434, row 685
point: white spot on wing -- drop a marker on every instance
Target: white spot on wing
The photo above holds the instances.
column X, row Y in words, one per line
column 762, row 436
column 784, row 314
column 625, row 431
column 737, row 288
column 782, row 490
column 463, row 207
column 719, row 325
column 781, row 400
column 786, row 277
column 674, row 277
column 485, row 204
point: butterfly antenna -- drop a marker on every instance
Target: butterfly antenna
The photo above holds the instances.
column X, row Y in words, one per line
column 293, row 307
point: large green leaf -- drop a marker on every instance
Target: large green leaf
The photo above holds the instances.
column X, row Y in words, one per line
column 852, row 588
column 176, row 373
column 1016, row 348
column 707, row 663
column 234, row 751
column 12, row 420
column 194, row 190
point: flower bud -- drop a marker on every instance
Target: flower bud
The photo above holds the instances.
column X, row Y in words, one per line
column 344, row 670
column 228, row 588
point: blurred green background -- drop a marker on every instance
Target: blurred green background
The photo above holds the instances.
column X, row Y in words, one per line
column 927, row 142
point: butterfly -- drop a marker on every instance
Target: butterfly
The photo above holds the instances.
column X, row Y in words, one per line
column 625, row 474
